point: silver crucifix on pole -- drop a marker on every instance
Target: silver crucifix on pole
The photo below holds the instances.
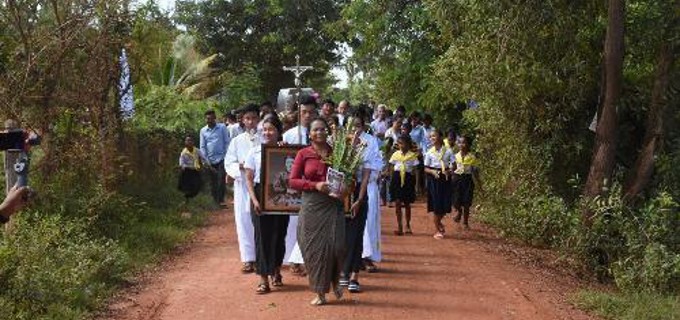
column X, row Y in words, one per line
column 298, row 70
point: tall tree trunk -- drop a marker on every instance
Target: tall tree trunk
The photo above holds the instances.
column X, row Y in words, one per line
column 644, row 166
column 602, row 165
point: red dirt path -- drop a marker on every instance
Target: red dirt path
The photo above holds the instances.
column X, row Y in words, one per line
column 464, row 276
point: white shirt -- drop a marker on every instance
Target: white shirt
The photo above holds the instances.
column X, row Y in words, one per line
column 372, row 158
column 234, row 130
column 238, row 151
column 432, row 158
column 341, row 119
column 379, row 126
column 291, row 136
column 254, row 162
column 391, row 133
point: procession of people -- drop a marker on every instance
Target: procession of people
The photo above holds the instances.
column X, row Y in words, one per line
column 403, row 159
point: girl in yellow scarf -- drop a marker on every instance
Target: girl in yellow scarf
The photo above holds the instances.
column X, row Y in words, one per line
column 438, row 162
column 402, row 185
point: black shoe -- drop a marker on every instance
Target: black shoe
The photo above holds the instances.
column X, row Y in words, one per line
column 354, row 286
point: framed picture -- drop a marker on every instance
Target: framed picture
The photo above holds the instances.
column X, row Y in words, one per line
column 275, row 195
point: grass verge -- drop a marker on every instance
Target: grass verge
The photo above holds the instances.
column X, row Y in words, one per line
column 629, row 306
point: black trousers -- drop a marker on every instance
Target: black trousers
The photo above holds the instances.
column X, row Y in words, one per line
column 354, row 237
column 218, row 185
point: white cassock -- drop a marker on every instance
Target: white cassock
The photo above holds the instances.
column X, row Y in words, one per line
column 293, row 253
column 238, row 150
column 371, row 242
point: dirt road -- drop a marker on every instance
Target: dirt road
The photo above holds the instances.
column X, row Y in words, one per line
column 461, row 277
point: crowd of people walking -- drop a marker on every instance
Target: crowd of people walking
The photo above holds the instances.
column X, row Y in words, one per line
column 404, row 158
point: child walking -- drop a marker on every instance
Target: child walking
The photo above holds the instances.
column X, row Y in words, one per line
column 465, row 174
column 402, row 184
column 438, row 160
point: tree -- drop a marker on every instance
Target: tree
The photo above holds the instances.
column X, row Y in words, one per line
column 266, row 34
column 642, row 172
column 602, row 165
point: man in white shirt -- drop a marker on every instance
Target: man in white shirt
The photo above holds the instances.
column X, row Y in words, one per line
column 342, row 110
column 239, row 149
column 380, row 125
column 298, row 135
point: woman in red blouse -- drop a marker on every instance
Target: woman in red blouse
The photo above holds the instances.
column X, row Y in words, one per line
column 321, row 224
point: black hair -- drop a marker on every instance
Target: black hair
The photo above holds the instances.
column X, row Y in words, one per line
column 274, row 121
column 251, row 107
column 467, row 138
column 427, row 117
column 451, row 131
column 209, row 112
column 401, row 109
column 230, row 116
column 415, row 114
column 407, row 125
column 329, row 101
column 319, row 119
column 309, row 100
column 267, row 103
column 406, row 140
column 360, row 114
column 335, row 120
column 439, row 133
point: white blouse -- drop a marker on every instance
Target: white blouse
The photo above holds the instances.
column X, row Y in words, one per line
column 434, row 158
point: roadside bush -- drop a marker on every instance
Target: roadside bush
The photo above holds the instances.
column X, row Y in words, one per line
column 52, row 268
column 639, row 248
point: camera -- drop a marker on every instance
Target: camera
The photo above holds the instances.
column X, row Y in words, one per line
column 14, row 139
column 19, row 141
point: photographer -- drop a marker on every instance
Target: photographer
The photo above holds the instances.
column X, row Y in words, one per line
column 13, row 202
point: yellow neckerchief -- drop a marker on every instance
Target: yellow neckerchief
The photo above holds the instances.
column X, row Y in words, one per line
column 194, row 156
column 465, row 162
column 440, row 156
column 402, row 157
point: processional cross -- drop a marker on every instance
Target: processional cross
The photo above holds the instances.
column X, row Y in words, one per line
column 298, row 70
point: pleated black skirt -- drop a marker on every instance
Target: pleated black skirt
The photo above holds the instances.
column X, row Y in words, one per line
column 270, row 241
column 438, row 195
column 405, row 193
column 463, row 190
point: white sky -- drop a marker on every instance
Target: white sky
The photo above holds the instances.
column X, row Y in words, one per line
column 339, row 73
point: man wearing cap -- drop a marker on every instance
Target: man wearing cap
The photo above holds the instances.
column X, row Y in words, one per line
column 233, row 164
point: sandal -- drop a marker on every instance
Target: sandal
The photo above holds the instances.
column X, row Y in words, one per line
column 318, row 301
column 248, row 267
column 370, row 267
column 263, row 288
column 398, row 233
column 277, row 281
column 408, row 231
column 438, row 236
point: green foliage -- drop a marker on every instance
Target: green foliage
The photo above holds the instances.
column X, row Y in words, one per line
column 163, row 108
column 638, row 247
column 80, row 241
column 51, row 267
column 630, row 306
column 267, row 35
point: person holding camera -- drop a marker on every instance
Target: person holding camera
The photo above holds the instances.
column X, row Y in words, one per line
column 12, row 203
